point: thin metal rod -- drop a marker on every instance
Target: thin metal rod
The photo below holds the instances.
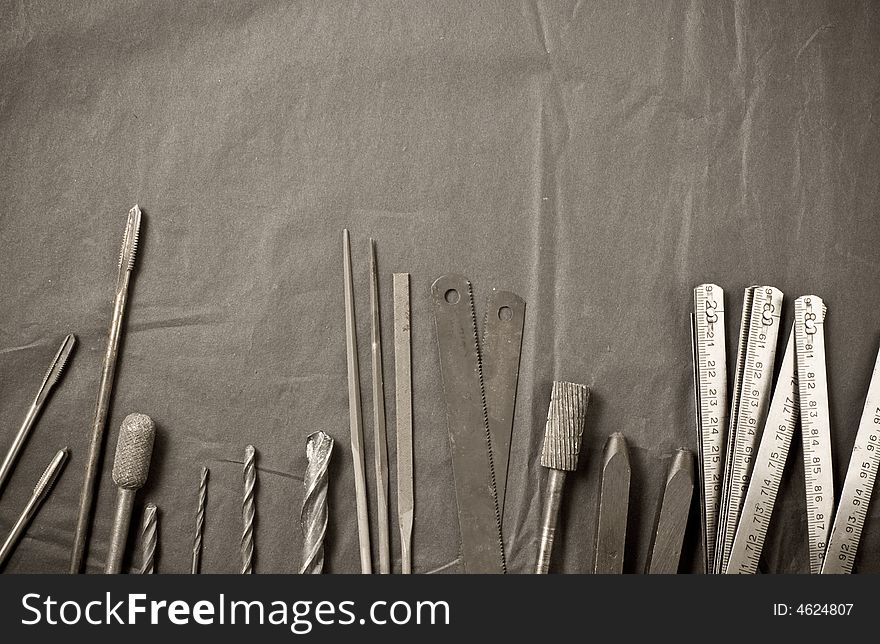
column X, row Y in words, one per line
column 403, row 414
column 149, row 539
column 105, row 389
column 200, row 523
column 121, row 525
column 354, row 411
column 552, row 501
column 49, row 381
column 248, row 511
column 41, row 491
column 380, row 438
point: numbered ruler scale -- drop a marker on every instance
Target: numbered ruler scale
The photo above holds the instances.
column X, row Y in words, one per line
column 809, row 334
column 756, row 357
column 857, row 486
column 710, row 392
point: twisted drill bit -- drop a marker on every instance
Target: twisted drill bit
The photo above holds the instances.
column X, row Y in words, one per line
column 127, row 255
column 149, row 538
column 200, row 523
column 562, row 446
column 313, row 519
column 248, row 511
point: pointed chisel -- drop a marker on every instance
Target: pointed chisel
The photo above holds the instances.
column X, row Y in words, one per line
column 613, row 507
column 673, row 517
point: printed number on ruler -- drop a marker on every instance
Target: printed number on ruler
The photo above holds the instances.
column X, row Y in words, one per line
column 809, row 313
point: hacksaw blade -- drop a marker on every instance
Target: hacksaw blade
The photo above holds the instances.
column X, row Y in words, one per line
column 501, row 346
column 467, row 421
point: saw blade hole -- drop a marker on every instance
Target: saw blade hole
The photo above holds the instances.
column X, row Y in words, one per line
column 505, row 314
column 452, row 296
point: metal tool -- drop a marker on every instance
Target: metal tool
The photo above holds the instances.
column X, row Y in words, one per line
column 313, row 519
column 33, row 412
column 613, row 507
column 501, row 347
column 403, row 414
column 380, row 439
column 756, row 356
column 710, row 390
column 354, row 410
column 858, row 486
column 41, row 491
column 673, row 516
column 248, row 510
column 479, row 516
column 108, row 369
column 562, row 446
column 769, row 464
column 200, row 523
column 149, row 539
column 134, row 450
column 809, row 336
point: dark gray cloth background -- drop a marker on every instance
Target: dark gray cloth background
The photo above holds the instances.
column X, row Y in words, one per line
column 598, row 158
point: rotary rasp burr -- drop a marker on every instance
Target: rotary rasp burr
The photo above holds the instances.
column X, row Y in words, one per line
column 248, row 511
column 49, row 382
column 562, row 446
column 41, row 491
column 313, row 519
column 200, row 522
column 149, row 539
column 108, row 369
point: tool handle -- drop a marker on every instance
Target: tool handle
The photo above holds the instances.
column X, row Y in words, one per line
column 552, row 501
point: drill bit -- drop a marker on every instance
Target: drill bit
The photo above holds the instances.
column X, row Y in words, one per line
column 149, row 539
column 200, row 522
column 380, row 440
column 248, row 511
column 354, row 410
column 613, row 507
column 673, row 516
column 49, row 382
column 403, row 409
column 127, row 256
column 313, row 519
column 562, row 446
column 41, row 491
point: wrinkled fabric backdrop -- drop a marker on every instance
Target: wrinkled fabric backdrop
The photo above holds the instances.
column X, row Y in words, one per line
column 598, row 158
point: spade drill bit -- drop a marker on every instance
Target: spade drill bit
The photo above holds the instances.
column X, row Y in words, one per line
column 108, row 369
column 49, row 381
column 200, row 522
column 149, row 539
column 248, row 511
column 613, row 507
column 673, row 516
column 41, row 491
column 313, row 519
column 562, row 446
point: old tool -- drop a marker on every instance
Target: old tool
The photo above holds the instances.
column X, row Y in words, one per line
column 710, row 391
column 501, row 347
column 313, row 519
column 248, row 510
column 380, row 440
column 769, row 464
column 809, row 336
column 672, row 519
column 134, row 450
column 149, row 539
column 403, row 416
column 562, row 446
column 108, row 369
column 33, row 412
column 613, row 507
column 858, row 486
column 756, row 356
column 200, row 523
column 41, row 491
column 354, row 410
column 479, row 516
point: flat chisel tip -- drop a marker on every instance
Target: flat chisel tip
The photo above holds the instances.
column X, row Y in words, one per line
column 615, row 450
column 682, row 466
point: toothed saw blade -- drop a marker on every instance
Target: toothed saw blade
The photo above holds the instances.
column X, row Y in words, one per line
column 467, row 420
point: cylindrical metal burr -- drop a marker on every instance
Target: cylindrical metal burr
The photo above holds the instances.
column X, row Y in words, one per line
column 248, row 511
column 313, row 519
column 200, row 523
column 149, row 539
